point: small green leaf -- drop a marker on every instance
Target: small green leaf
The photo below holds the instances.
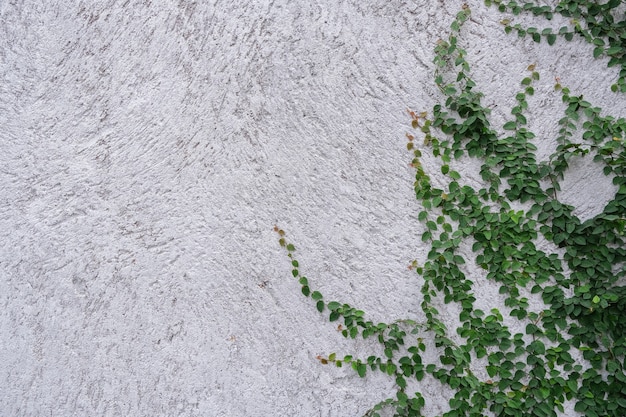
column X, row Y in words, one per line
column 333, row 305
column 598, row 51
column 510, row 126
column 361, row 369
column 614, row 50
column 449, row 90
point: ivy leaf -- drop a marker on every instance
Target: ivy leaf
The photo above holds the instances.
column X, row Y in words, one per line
column 598, row 51
column 360, row 368
column 509, row 125
column 389, row 353
column 333, row 305
column 449, row 90
column 614, row 50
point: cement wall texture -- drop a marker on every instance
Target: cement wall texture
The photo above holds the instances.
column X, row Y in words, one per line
column 148, row 148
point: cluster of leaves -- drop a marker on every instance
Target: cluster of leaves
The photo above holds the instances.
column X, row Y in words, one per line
column 598, row 23
column 573, row 346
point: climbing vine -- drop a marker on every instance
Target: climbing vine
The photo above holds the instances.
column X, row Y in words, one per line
column 573, row 344
column 598, row 23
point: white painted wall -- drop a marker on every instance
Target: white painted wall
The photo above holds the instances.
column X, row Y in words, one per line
column 149, row 147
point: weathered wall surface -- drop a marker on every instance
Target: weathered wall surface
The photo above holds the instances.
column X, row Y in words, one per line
column 147, row 151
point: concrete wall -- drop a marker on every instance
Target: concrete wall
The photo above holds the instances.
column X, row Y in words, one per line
column 148, row 148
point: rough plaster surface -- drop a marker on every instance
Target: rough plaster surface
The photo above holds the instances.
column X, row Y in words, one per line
column 147, row 151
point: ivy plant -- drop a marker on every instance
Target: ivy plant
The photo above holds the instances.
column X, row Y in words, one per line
column 573, row 344
column 603, row 25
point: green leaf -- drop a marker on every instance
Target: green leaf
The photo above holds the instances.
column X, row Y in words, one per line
column 316, row 295
column 333, row 305
column 598, row 51
column 614, row 50
column 361, row 369
column 510, row 126
column 354, row 331
column 449, row 90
